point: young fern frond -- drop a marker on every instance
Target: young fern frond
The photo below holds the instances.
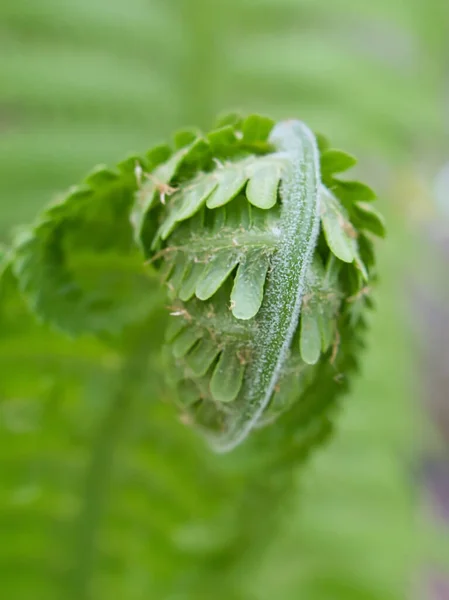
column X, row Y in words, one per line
column 79, row 266
column 266, row 255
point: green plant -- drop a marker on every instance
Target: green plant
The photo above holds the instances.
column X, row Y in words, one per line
column 92, row 264
column 265, row 301
column 105, row 496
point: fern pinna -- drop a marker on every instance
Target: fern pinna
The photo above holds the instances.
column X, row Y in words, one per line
column 267, row 258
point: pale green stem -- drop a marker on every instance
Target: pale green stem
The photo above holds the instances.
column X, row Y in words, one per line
column 279, row 315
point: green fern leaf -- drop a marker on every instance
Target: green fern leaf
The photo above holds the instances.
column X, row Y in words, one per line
column 236, row 237
column 223, row 244
column 78, row 266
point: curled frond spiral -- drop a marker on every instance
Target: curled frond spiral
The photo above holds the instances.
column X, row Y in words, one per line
column 265, row 251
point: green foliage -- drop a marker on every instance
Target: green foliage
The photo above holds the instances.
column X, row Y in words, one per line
column 104, row 493
column 224, row 230
column 72, row 263
column 234, row 215
column 79, row 266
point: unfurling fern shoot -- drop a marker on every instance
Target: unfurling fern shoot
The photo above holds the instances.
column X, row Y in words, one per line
column 265, row 252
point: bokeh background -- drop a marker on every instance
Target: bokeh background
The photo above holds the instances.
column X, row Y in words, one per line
column 110, row 499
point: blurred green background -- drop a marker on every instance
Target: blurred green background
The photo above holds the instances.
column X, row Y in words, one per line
column 102, row 493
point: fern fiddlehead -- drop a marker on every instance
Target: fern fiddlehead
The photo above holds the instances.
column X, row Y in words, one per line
column 265, row 252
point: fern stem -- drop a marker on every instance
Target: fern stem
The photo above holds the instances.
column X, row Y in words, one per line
column 279, row 314
column 99, row 471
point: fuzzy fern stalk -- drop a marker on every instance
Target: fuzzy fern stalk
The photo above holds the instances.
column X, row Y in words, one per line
column 266, row 255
